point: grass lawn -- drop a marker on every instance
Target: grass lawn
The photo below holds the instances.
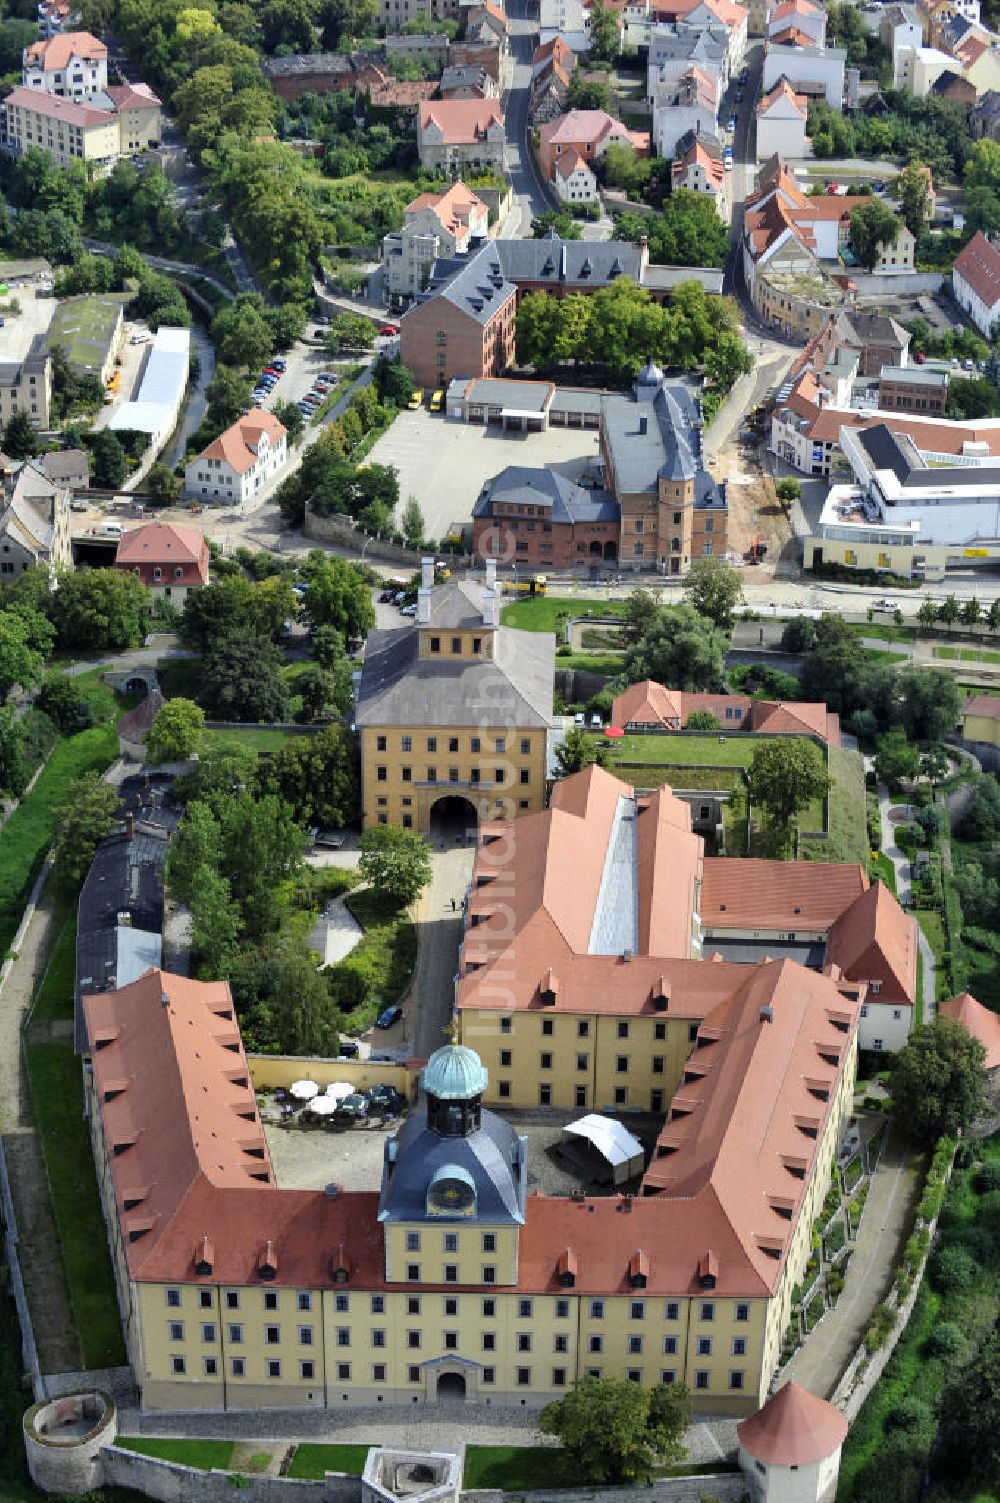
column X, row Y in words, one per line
column 204, row 1454
column 685, row 750
column 514, row 1467
column 881, row 866
column 847, row 834
column 646, row 775
column 968, row 654
column 26, row 835
column 335, row 393
column 542, row 612
column 380, row 967
column 593, row 662
column 314, row 1460
column 931, row 923
column 57, row 1099
column 258, row 740
column 883, row 655
column 54, row 997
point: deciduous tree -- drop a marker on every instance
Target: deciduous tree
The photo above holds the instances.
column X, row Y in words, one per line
column 681, row 649
column 714, row 589
column 938, row 1081
column 874, row 229
column 80, row 820
column 396, row 862
column 615, row 1431
column 177, row 732
column 786, row 774
column 577, row 750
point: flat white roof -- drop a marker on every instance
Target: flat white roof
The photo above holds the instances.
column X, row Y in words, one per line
column 613, row 1141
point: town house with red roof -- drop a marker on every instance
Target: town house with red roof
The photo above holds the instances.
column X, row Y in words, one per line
column 170, row 560
column 456, row 133
column 435, row 226
column 71, row 65
column 584, row 135
column 236, row 465
column 975, row 280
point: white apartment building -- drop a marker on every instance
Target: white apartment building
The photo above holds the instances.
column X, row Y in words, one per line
column 71, row 65
column 437, row 225
column 237, row 464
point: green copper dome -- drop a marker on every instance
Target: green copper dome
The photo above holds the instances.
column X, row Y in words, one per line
column 455, row 1073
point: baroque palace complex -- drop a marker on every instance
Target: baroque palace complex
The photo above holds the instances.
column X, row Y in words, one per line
column 607, row 965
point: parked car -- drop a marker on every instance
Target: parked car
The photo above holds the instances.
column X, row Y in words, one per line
column 409, row 610
column 279, row 363
column 744, row 75
column 739, row 96
column 968, row 365
column 579, row 718
column 885, row 604
column 596, row 723
column 354, row 1106
column 437, row 401
column 389, row 1016
column 727, row 159
column 731, row 123
column 386, row 597
column 417, row 400
column 385, row 1100
column 387, row 330
column 348, row 1049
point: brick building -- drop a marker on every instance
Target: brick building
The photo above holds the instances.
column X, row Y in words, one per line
column 454, row 133
column 465, row 327
column 913, row 389
column 541, row 519
column 672, row 510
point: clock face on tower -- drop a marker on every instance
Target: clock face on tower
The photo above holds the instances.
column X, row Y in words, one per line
column 449, row 1195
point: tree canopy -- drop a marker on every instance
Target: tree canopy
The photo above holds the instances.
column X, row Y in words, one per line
column 786, row 774
column 396, row 862
column 681, row 648
column 177, row 732
column 80, row 820
column 714, row 589
column 938, row 1081
column 616, row 1431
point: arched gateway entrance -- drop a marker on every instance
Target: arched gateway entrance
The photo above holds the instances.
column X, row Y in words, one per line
column 453, row 820
column 451, row 1387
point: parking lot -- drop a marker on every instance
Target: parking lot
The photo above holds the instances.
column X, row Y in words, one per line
column 444, row 462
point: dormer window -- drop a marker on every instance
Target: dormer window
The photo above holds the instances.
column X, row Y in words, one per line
column 204, row 1258
column 267, row 1262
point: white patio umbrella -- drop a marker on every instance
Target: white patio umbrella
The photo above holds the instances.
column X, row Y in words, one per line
column 338, row 1089
column 322, row 1106
column 304, row 1090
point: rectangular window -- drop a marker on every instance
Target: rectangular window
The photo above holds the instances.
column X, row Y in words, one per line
column 621, row 1064
column 238, row 1366
column 343, row 1372
column 489, row 1274
column 736, row 1379
column 272, row 1334
column 451, row 1307
column 597, row 1309
column 407, row 743
column 432, row 743
column 562, row 1309
column 413, row 1339
column 378, row 1338
column 235, row 1335
column 178, row 1366
column 176, row 1330
column 489, row 1243
column 343, row 1336
column 413, row 1273
column 274, row 1368
column 739, row 1346
column 545, row 1061
column 672, row 1311
column 707, row 1311
column 635, row 1345
column 451, row 1242
column 742, row 1312
column 670, row 1346
column 174, row 1298
column 208, row 1331
column 378, row 1372
column 622, row 1028
column 595, row 1344
column 524, row 1377
column 211, row 1367
column 582, row 1061
column 306, row 1301
column 637, row 1310
column 489, row 1341
column 489, row 1375
column 341, row 1304
column 506, row 1059
column 205, row 1298
column 456, row 644
column 524, row 1342
column 489, row 1308
column 451, row 1273
column 505, row 1024
column 583, row 1029
column 378, row 1304
column 701, row 1379
column 524, row 1309
column 413, row 1242
column 704, row 1346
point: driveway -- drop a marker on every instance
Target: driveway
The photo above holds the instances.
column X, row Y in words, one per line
column 439, row 933
column 904, row 891
column 820, row 1362
column 444, row 462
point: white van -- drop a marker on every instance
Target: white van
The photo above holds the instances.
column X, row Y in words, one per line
column 110, row 529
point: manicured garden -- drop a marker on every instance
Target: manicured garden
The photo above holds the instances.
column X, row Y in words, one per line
column 57, row 1102
column 686, row 750
column 549, row 612
column 204, row 1454
column 313, row 1460
column 377, row 972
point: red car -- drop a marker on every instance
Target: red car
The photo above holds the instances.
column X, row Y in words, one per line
column 388, row 329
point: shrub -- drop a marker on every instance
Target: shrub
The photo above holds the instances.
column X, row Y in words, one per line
column 946, row 1340
column 988, row 1178
column 909, row 1414
column 882, row 1323
column 953, row 1270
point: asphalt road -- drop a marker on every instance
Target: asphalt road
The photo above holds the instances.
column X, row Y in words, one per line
column 531, row 195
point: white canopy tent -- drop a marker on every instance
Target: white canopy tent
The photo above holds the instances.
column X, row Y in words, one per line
column 338, row 1089
column 621, row 1150
column 323, row 1106
column 304, row 1090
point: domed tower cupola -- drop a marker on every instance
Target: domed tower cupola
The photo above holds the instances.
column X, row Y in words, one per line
column 455, row 1080
column 648, row 381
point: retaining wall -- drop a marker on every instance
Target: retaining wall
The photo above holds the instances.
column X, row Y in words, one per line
column 173, row 1483
column 726, row 1487
column 343, row 534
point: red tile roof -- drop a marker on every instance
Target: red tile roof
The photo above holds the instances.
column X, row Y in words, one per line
column 978, row 264
column 55, row 53
column 773, row 895
column 783, row 90
column 983, row 1024
column 987, row 705
column 461, row 121
column 160, row 543
column 238, row 445
column 647, row 703
column 874, row 940
column 794, row 1428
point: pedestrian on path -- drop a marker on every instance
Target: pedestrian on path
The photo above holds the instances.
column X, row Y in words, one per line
column 453, row 905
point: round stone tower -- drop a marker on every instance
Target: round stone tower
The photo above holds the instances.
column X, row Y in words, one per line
column 63, row 1439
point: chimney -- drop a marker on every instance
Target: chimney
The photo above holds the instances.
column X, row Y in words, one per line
column 491, row 608
column 427, row 574
column 491, row 573
column 130, row 825
column 423, row 607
